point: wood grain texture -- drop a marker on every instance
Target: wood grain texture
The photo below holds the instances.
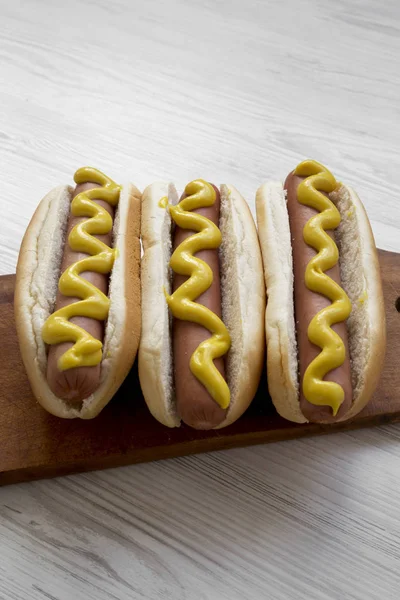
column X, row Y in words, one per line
column 236, row 92
column 39, row 445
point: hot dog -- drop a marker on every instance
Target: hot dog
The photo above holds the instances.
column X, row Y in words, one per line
column 203, row 301
column 307, row 303
column 325, row 318
column 187, row 336
column 76, row 384
column 77, row 300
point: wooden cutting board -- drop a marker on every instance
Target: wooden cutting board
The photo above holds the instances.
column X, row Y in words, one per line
column 35, row 444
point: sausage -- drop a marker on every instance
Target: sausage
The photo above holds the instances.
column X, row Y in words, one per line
column 195, row 406
column 78, row 383
column 308, row 303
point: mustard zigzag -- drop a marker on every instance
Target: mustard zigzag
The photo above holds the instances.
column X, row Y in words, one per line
column 333, row 352
column 182, row 301
column 86, row 351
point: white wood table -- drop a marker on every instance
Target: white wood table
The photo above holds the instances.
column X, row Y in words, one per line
column 236, row 92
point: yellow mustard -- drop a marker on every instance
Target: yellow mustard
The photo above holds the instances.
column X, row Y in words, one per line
column 182, row 301
column 320, row 332
column 363, row 298
column 163, row 202
column 87, row 350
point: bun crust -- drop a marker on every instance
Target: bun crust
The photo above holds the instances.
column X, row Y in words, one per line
column 243, row 303
column 243, row 300
column 155, row 350
column 360, row 276
column 38, row 271
column 276, row 249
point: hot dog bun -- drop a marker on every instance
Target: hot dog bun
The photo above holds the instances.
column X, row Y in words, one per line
column 243, row 303
column 360, row 277
column 37, row 278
